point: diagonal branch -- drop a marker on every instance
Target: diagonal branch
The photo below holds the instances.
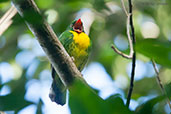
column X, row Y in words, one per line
column 54, row 50
column 6, row 19
column 160, row 82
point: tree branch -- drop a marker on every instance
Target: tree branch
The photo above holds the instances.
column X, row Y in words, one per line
column 54, row 50
column 6, row 19
column 134, row 55
column 160, row 82
column 129, row 40
column 124, row 8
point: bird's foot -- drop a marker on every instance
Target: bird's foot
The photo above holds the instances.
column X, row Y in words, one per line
column 73, row 59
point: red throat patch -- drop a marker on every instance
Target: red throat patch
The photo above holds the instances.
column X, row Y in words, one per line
column 78, row 26
column 79, row 21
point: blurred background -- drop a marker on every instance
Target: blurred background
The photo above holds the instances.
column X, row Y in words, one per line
column 25, row 74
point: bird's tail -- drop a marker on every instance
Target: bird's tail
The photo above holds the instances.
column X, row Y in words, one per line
column 58, row 90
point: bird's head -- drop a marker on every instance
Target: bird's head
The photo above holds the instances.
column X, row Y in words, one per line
column 77, row 26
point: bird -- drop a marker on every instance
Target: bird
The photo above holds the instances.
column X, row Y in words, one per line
column 78, row 45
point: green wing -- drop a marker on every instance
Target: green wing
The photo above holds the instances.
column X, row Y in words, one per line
column 67, row 41
column 66, row 38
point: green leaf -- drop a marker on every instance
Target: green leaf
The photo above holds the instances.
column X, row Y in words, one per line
column 150, row 85
column 168, row 89
column 15, row 100
column 83, row 100
column 4, row 1
column 83, row 97
column 116, row 105
column 160, row 51
column 39, row 107
column 147, row 107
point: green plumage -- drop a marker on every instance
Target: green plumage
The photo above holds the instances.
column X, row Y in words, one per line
column 67, row 41
column 79, row 55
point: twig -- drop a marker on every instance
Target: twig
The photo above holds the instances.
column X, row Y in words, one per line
column 160, row 82
column 120, row 53
column 134, row 55
column 124, row 8
column 6, row 19
column 54, row 50
column 129, row 38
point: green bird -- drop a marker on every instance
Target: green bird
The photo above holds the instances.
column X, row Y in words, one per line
column 78, row 45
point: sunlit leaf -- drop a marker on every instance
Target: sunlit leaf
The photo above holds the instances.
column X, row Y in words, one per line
column 147, row 107
column 160, row 51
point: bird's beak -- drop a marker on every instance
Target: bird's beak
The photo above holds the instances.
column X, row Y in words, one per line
column 78, row 26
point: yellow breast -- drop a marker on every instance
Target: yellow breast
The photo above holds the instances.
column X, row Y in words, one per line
column 81, row 39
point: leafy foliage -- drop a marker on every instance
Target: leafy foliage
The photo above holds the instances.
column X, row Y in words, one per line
column 89, row 102
column 19, row 49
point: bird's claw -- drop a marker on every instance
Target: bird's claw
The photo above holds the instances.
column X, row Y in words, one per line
column 73, row 59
